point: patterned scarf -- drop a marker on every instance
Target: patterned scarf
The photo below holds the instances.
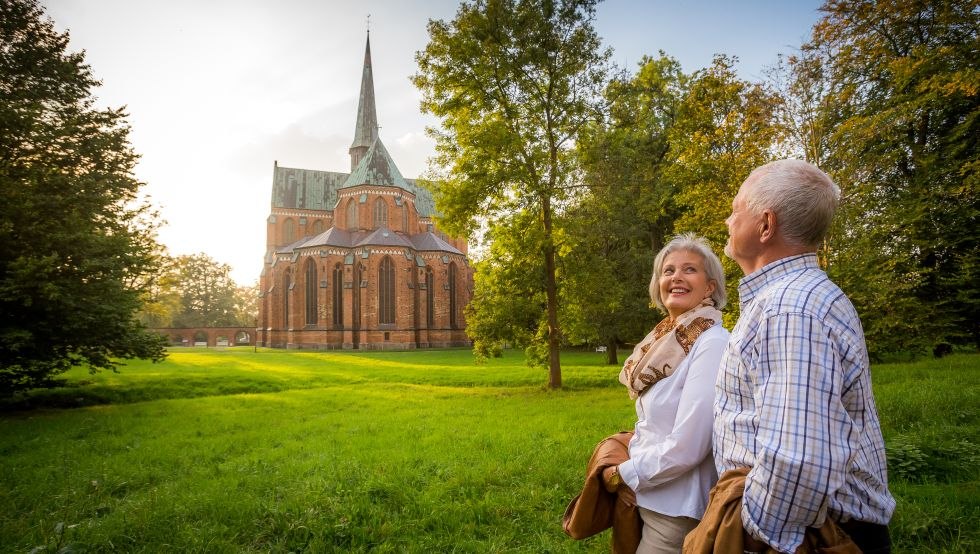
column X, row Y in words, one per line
column 659, row 353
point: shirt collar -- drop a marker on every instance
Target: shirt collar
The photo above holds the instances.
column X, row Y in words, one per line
column 757, row 281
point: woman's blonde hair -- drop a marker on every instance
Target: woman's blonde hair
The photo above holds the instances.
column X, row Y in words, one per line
column 690, row 242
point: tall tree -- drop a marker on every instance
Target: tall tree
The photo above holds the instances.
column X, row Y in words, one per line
column 76, row 244
column 197, row 291
column 247, row 304
column 208, row 295
column 725, row 128
column 508, row 300
column 627, row 212
column 905, row 97
column 161, row 299
column 513, row 82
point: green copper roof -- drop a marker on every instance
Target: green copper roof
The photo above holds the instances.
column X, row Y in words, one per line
column 305, row 188
column 376, row 168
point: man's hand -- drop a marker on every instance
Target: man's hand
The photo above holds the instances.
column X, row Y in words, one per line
column 752, row 544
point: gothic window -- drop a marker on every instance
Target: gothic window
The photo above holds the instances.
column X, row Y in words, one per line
column 452, row 296
column 338, row 295
column 430, row 298
column 311, row 291
column 352, row 214
column 289, row 231
column 380, row 213
column 287, row 283
column 317, row 227
column 386, row 291
column 405, row 219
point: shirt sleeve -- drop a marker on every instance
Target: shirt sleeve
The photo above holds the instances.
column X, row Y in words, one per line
column 802, row 438
column 689, row 442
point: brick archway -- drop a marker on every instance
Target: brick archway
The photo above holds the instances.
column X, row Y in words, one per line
column 213, row 336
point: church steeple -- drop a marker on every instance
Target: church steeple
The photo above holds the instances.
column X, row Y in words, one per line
column 366, row 126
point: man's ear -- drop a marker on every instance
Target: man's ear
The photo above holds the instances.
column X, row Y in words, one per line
column 767, row 226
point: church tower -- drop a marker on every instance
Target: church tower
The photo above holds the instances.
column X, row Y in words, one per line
column 366, row 125
column 355, row 260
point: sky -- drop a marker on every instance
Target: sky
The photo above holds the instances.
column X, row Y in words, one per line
column 217, row 91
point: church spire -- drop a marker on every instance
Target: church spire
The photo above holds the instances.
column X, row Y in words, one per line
column 366, row 126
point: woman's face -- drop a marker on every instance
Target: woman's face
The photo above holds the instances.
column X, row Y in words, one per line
column 683, row 282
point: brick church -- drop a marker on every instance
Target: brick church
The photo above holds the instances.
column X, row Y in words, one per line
column 354, row 260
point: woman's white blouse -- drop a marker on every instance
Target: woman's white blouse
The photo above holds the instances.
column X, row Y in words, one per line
column 670, row 467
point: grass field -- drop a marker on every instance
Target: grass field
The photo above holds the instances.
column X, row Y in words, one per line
column 231, row 450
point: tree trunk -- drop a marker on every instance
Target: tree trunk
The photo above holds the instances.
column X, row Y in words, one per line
column 611, row 357
column 551, row 289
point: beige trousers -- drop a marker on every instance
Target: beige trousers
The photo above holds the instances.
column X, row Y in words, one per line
column 663, row 534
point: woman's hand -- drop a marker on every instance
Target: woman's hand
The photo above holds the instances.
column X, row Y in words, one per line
column 611, row 479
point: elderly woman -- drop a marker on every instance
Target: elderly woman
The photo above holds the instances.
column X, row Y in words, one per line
column 671, row 375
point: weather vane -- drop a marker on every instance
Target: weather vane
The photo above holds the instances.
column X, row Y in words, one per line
column 369, row 23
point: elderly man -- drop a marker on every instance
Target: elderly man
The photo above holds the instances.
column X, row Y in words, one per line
column 794, row 400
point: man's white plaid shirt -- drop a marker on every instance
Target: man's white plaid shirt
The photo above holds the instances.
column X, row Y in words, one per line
column 794, row 403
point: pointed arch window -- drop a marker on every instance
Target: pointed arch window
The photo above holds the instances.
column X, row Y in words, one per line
column 405, row 219
column 352, row 214
column 386, row 291
column 311, row 292
column 338, row 295
column 380, row 213
column 287, row 286
column 317, row 227
column 289, row 231
column 453, row 323
column 430, row 298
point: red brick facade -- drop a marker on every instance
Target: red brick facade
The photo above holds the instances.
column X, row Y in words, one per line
column 354, row 261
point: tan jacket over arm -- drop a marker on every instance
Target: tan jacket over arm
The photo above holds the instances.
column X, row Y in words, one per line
column 595, row 509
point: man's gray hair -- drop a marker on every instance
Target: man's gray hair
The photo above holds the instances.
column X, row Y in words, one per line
column 802, row 196
column 689, row 242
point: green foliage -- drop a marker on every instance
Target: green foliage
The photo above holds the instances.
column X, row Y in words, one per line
column 906, row 461
column 626, row 213
column 900, row 85
column 77, row 245
column 208, row 295
column 507, row 303
column 198, row 291
column 725, row 128
column 512, row 82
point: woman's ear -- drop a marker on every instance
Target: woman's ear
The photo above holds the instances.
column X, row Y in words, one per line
column 712, row 285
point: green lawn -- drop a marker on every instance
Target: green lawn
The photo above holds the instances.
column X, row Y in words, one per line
column 231, row 450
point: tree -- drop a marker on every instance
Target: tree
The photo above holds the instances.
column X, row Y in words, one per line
column 627, row 212
column 508, row 301
column 76, row 244
column 903, row 95
column 247, row 304
column 161, row 299
column 725, row 127
column 208, row 295
column 513, row 82
column 197, row 291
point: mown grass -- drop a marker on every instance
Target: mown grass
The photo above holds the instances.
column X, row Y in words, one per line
column 235, row 451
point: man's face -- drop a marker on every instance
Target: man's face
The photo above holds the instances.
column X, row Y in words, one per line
column 743, row 230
